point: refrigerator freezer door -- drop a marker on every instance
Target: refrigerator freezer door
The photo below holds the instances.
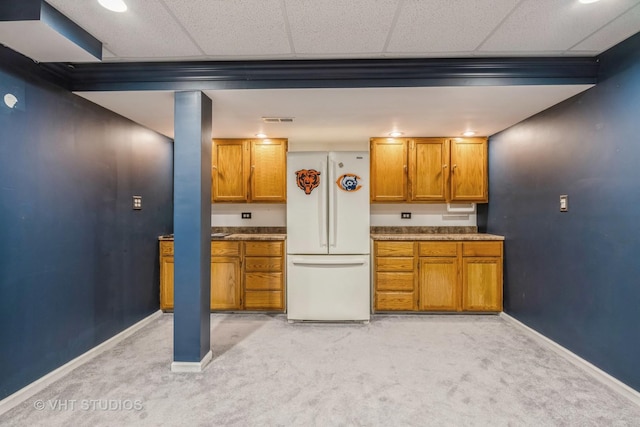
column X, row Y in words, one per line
column 349, row 202
column 328, row 288
column 307, row 203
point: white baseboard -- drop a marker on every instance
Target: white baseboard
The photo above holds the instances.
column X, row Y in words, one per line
column 192, row 366
column 613, row 383
column 40, row 384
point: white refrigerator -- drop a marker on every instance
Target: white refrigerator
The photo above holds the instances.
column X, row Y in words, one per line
column 328, row 237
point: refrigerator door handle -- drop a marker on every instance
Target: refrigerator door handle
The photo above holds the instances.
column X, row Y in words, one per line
column 328, row 264
column 333, row 205
column 323, row 207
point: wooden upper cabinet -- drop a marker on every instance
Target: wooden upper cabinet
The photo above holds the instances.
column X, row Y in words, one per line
column 229, row 170
column 429, row 170
column 268, row 170
column 249, row 170
column 429, row 173
column 389, row 169
column 469, row 170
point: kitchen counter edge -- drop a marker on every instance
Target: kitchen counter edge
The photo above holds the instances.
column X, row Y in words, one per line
column 239, row 236
column 451, row 237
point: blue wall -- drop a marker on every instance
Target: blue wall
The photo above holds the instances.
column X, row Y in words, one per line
column 77, row 264
column 575, row 276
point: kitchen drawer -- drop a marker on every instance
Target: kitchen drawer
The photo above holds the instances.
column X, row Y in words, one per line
column 225, row 248
column 263, row 264
column 482, row 249
column 395, row 249
column 394, row 301
column 438, row 249
column 263, row 300
column 260, row 281
column 166, row 248
column 261, row 248
column 394, row 282
column 394, row 264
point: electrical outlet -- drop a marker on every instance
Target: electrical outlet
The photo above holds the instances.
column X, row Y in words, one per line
column 137, row 203
column 405, row 215
column 246, row 215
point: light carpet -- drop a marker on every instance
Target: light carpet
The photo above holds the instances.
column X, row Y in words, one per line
column 420, row 370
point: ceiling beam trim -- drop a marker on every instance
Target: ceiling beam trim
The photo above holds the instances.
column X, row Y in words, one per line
column 328, row 73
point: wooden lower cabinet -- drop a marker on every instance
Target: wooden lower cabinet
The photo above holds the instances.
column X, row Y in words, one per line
column 448, row 276
column 166, row 275
column 395, row 288
column 264, row 275
column 245, row 275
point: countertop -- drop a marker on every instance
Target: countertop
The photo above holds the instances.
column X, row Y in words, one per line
column 238, row 236
column 442, row 236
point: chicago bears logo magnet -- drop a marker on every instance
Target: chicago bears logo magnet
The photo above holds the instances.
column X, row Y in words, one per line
column 307, row 180
column 349, row 182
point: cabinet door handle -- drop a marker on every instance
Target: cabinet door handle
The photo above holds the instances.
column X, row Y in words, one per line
column 444, row 166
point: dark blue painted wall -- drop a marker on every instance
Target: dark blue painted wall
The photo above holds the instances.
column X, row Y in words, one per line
column 77, row 264
column 575, row 276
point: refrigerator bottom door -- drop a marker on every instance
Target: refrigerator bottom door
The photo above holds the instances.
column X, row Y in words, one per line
column 328, row 288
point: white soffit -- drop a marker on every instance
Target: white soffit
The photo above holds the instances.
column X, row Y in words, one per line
column 37, row 40
column 348, row 115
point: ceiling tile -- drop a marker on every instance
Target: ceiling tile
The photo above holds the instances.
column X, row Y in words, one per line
column 234, row 28
column 552, row 25
column 340, row 27
column 446, row 25
column 620, row 29
column 145, row 31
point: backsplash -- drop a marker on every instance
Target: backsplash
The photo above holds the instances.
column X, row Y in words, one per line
column 382, row 215
column 431, row 215
column 262, row 215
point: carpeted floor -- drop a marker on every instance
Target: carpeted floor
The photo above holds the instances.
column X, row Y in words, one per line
column 395, row 371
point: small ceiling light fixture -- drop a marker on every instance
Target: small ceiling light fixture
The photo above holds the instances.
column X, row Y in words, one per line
column 114, row 5
column 469, row 133
column 395, row 134
column 587, row 1
column 261, row 135
column 10, row 100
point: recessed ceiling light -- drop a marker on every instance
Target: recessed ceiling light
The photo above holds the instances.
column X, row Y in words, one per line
column 469, row 133
column 10, row 100
column 587, row 1
column 396, row 134
column 114, row 5
column 261, row 135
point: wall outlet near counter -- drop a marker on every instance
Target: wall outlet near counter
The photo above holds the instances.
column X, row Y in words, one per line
column 137, row 203
column 405, row 215
column 245, row 215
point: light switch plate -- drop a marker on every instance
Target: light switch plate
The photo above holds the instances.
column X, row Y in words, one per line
column 564, row 203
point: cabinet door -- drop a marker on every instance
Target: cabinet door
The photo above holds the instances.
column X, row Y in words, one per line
column 269, row 170
column 482, row 284
column 225, row 283
column 429, row 169
column 469, row 170
column 166, row 282
column 438, row 283
column 389, row 169
column 230, row 171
